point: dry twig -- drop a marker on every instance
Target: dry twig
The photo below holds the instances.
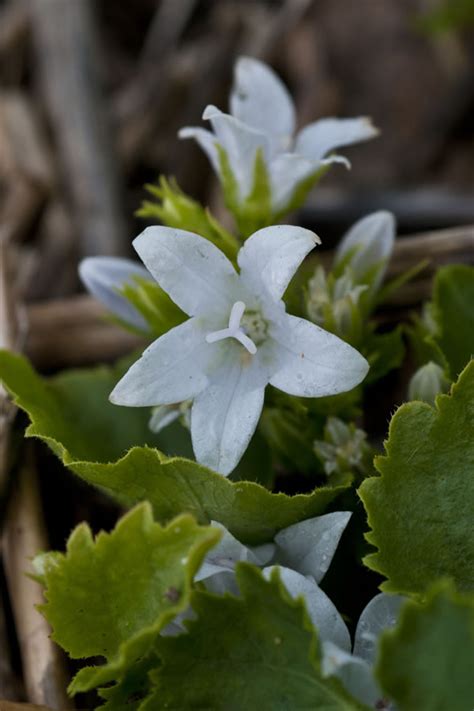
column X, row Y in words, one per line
column 24, row 537
column 64, row 35
column 25, row 166
column 73, row 332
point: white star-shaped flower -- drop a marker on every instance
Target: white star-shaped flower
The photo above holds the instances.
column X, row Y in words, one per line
column 262, row 117
column 302, row 553
column 238, row 338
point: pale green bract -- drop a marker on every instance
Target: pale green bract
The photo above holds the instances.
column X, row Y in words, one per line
column 261, row 126
column 238, row 338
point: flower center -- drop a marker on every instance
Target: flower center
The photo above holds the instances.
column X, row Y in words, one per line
column 246, row 327
column 254, row 326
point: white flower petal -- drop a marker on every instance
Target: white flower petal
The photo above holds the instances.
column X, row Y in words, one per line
column 335, row 158
column 314, row 362
column 193, row 271
column 224, row 416
column 241, row 143
column 162, row 416
column 104, row 276
column 273, row 254
column 206, row 140
column 355, row 673
column 320, row 137
column 177, row 626
column 321, row 610
column 223, row 556
column 380, row 614
column 309, row 546
column 287, row 171
column 373, row 239
column 260, row 99
column 222, row 583
column 171, row 370
column 261, row 555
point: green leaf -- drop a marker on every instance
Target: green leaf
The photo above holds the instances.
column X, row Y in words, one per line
column 72, row 412
column 290, row 434
column 176, row 209
column 449, row 15
column 91, row 436
column 426, row 661
column 384, row 352
column 420, row 508
column 111, row 596
column 257, row 651
column 453, row 300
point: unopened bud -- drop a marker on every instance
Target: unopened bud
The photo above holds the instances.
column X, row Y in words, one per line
column 428, row 382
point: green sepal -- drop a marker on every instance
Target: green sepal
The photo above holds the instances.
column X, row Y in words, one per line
column 300, row 193
column 426, row 661
column 92, row 442
column 395, row 284
column 176, row 209
column 253, row 212
column 154, row 304
column 111, row 596
column 255, row 651
column 420, row 336
column 420, row 507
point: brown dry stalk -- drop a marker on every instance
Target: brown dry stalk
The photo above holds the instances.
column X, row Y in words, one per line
column 9, row 706
column 24, row 537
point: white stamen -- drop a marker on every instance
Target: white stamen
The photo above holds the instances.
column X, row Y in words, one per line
column 234, row 330
column 236, row 314
column 245, row 341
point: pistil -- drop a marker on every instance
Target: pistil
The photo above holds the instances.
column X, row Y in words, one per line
column 234, row 329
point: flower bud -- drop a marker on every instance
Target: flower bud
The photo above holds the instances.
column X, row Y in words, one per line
column 367, row 247
column 428, row 382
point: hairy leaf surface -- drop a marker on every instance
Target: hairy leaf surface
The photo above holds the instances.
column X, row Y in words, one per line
column 257, row 651
column 420, row 507
column 426, row 662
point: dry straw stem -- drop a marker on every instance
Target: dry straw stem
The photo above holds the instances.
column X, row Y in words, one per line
column 25, row 166
column 10, row 336
column 65, row 39
column 24, row 537
column 74, row 331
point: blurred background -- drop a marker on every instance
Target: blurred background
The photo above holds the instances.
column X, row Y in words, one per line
column 92, row 94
